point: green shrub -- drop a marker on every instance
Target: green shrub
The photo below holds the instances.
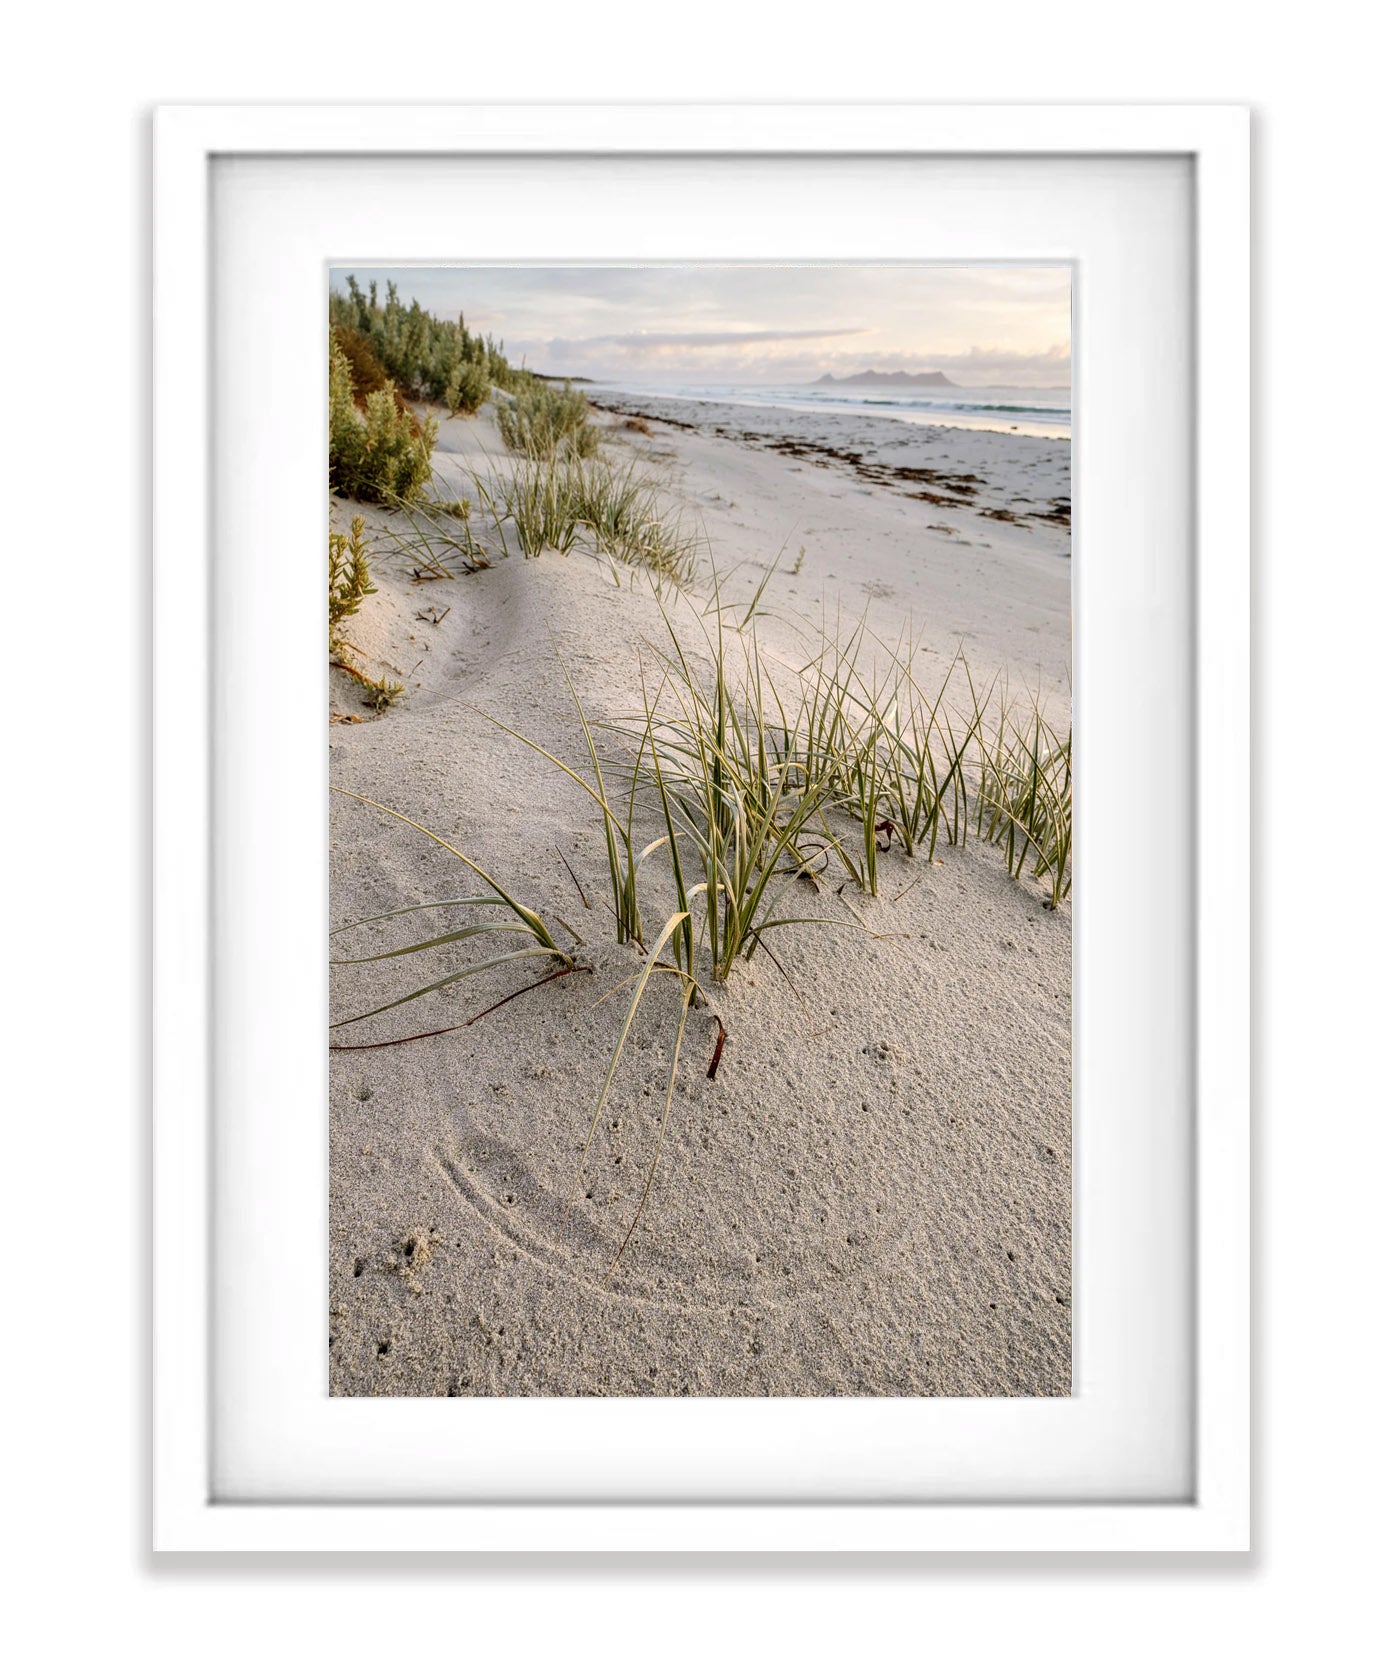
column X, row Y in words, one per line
column 468, row 387
column 347, row 445
column 367, row 372
column 349, row 585
column 384, row 457
column 419, row 352
column 544, row 420
column 350, row 580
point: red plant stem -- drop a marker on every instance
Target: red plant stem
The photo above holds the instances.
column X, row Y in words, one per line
column 719, row 1049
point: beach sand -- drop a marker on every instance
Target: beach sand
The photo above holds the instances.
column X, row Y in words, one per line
column 873, row 1194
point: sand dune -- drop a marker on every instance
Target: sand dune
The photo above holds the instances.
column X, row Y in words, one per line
column 873, row 1194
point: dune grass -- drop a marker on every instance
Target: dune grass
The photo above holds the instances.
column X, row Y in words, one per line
column 741, row 827
column 745, row 784
column 538, row 500
column 1025, row 797
column 625, row 513
column 611, row 509
column 437, row 537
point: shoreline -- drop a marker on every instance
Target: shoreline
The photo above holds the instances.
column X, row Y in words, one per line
column 1031, row 425
column 968, row 532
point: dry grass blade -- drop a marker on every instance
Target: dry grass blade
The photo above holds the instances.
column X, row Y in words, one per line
column 529, row 917
column 526, row 921
column 662, row 940
column 684, row 1011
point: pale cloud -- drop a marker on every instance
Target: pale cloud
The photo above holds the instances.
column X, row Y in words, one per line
column 702, row 340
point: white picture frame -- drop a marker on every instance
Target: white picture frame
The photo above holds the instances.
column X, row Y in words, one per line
column 1209, row 1514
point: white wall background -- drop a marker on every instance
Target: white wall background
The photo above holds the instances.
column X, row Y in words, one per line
column 75, row 654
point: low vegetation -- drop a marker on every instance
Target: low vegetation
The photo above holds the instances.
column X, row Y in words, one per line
column 380, row 453
column 435, row 538
column 630, row 520
column 350, row 580
column 469, row 388
column 349, row 585
column 429, row 359
column 733, row 800
column 545, row 421
column 613, row 509
column 742, row 798
column 510, row 916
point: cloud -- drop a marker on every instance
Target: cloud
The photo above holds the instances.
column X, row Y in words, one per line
column 699, row 340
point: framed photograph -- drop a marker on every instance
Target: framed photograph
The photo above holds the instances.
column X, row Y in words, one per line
column 653, row 1049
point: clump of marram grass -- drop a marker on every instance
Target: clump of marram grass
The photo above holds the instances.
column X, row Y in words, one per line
column 1025, row 797
column 897, row 761
column 543, row 420
column 623, row 509
column 615, row 511
column 539, row 502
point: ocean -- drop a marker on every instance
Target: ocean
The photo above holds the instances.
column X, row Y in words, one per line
column 992, row 408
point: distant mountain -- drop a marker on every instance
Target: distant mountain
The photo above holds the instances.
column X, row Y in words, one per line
column 888, row 381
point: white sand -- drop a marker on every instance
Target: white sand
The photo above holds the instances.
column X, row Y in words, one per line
column 873, row 1196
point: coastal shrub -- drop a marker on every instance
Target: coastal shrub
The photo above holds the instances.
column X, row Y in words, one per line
column 468, row 388
column 545, row 420
column 349, row 585
column 397, row 457
column 367, row 373
column 350, row 579
column 384, row 456
column 421, row 353
column 346, row 428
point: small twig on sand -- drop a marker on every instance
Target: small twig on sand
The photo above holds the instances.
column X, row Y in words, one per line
column 574, row 878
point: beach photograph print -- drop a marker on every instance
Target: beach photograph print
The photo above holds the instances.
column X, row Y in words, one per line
column 700, row 820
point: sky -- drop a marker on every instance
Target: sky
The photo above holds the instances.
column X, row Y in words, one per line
column 759, row 325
